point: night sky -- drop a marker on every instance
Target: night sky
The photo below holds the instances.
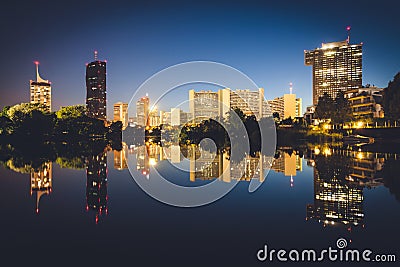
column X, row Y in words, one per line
column 263, row 39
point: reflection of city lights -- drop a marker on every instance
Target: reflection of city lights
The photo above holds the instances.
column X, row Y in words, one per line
column 316, row 150
column 327, row 151
column 359, row 124
column 152, row 161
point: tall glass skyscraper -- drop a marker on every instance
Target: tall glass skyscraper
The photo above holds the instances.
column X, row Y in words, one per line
column 337, row 67
column 96, row 89
column 142, row 111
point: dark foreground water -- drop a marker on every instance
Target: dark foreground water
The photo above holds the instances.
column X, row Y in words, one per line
column 98, row 215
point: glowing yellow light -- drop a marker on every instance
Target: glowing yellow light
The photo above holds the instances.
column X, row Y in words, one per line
column 359, row 124
column 326, row 126
column 360, row 155
column 327, row 151
column 152, row 161
column 316, row 151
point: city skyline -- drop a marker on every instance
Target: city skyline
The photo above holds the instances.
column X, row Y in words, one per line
column 272, row 60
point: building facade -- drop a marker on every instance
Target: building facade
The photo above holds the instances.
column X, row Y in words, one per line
column 96, row 103
column 121, row 113
column 40, row 90
column 208, row 104
column 337, row 66
column 366, row 102
column 286, row 106
column 250, row 102
column 142, row 111
column 203, row 105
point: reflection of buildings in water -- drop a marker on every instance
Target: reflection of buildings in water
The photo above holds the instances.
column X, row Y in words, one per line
column 120, row 158
column 41, row 181
column 336, row 201
column 288, row 164
column 341, row 200
column 203, row 164
column 248, row 168
column 365, row 168
column 206, row 165
column 146, row 156
column 172, row 153
column 96, row 184
column 142, row 160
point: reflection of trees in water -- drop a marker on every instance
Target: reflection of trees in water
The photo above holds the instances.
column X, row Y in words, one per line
column 391, row 177
column 23, row 158
column 334, row 166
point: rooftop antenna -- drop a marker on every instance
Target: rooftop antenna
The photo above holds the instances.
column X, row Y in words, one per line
column 38, row 78
column 348, row 28
column 95, row 55
column 291, row 88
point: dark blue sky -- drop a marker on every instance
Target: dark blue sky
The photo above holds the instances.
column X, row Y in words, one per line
column 263, row 39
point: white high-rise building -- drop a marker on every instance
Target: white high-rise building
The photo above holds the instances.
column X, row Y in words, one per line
column 40, row 90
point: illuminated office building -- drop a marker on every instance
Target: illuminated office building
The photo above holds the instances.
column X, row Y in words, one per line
column 142, row 111
column 121, row 113
column 175, row 117
column 154, row 119
column 40, row 90
column 250, row 102
column 208, row 104
column 286, row 106
column 203, row 105
column 42, row 181
column 337, row 66
column 165, row 117
column 96, row 89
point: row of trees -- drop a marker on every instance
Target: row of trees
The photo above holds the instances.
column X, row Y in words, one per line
column 338, row 110
column 236, row 129
column 391, row 99
column 27, row 122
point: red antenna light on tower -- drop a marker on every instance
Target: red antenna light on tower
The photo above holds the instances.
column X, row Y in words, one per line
column 348, row 28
